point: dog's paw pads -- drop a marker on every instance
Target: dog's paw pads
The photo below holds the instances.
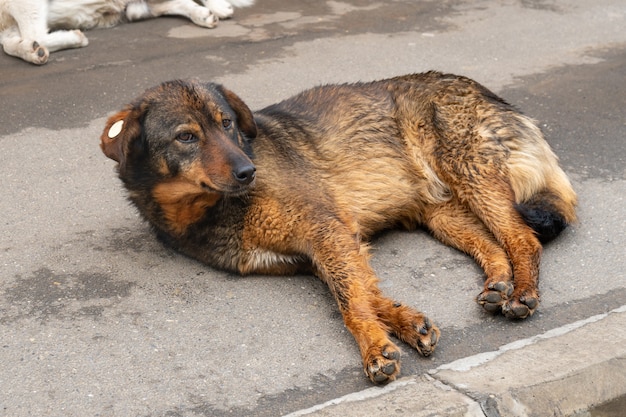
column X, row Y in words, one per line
column 384, row 367
column 427, row 338
column 520, row 308
column 495, row 296
column 39, row 54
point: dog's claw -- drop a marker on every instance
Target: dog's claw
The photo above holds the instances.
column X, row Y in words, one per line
column 426, row 327
column 389, row 369
column 393, row 354
column 503, row 287
column 531, row 302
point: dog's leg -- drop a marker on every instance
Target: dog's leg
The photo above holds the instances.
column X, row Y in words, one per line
column 350, row 280
column 199, row 15
column 457, row 226
column 64, row 39
column 490, row 197
column 32, row 42
column 27, row 49
column 25, row 39
column 342, row 263
column 333, row 249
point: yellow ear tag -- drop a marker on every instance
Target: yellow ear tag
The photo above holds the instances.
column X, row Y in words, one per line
column 115, row 129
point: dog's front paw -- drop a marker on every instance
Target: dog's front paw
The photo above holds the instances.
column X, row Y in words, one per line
column 382, row 365
column 221, row 8
column 427, row 336
column 38, row 54
column 421, row 334
column 410, row 326
column 204, row 18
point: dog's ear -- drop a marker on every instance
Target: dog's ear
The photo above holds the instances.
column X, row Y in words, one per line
column 244, row 115
column 119, row 132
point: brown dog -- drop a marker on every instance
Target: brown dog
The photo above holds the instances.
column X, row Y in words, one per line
column 301, row 185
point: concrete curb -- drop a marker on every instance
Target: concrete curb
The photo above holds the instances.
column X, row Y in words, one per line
column 562, row 372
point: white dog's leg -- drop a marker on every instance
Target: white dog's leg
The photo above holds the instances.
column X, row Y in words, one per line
column 225, row 8
column 221, row 8
column 199, row 15
column 241, row 3
column 138, row 10
column 23, row 40
column 27, row 49
column 64, row 39
column 30, row 39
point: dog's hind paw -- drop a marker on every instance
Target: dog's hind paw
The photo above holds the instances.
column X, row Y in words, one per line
column 382, row 365
column 81, row 39
column 495, row 295
column 520, row 307
column 500, row 297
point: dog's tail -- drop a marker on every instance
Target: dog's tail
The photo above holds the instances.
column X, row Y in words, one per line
column 550, row 211
column 544, row 196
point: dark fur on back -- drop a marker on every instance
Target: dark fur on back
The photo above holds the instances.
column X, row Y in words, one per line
column 303, row 184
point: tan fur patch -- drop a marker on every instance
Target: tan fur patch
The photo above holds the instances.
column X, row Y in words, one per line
column 183, row 203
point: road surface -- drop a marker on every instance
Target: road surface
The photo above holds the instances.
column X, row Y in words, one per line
column 98, row 319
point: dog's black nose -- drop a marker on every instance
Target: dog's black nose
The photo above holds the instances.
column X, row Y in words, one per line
column 244, row 174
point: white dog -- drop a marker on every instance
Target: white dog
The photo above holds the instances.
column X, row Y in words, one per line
column 31, row 29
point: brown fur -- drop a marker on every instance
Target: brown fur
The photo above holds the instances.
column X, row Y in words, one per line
column 336, row 164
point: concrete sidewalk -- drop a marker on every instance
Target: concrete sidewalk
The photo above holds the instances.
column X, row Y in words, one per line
column 562, row 372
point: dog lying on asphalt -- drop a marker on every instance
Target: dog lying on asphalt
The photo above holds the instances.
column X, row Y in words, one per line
column 24, row 24
column 303, row 184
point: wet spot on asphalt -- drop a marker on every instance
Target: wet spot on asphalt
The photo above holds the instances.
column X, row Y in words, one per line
column 46, row 294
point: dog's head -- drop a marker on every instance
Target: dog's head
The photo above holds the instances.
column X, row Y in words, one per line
column 183, row 145
column 186, row 132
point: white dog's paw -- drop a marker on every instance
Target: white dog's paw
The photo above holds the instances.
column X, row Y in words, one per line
column 37, row 54
column 204, row 18
column 221, row 8
column 81, row 39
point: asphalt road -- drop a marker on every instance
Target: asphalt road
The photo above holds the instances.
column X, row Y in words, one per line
column 98, row 319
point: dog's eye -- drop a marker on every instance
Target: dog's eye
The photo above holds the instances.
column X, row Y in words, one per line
column 227, row 123
column 186, row 137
